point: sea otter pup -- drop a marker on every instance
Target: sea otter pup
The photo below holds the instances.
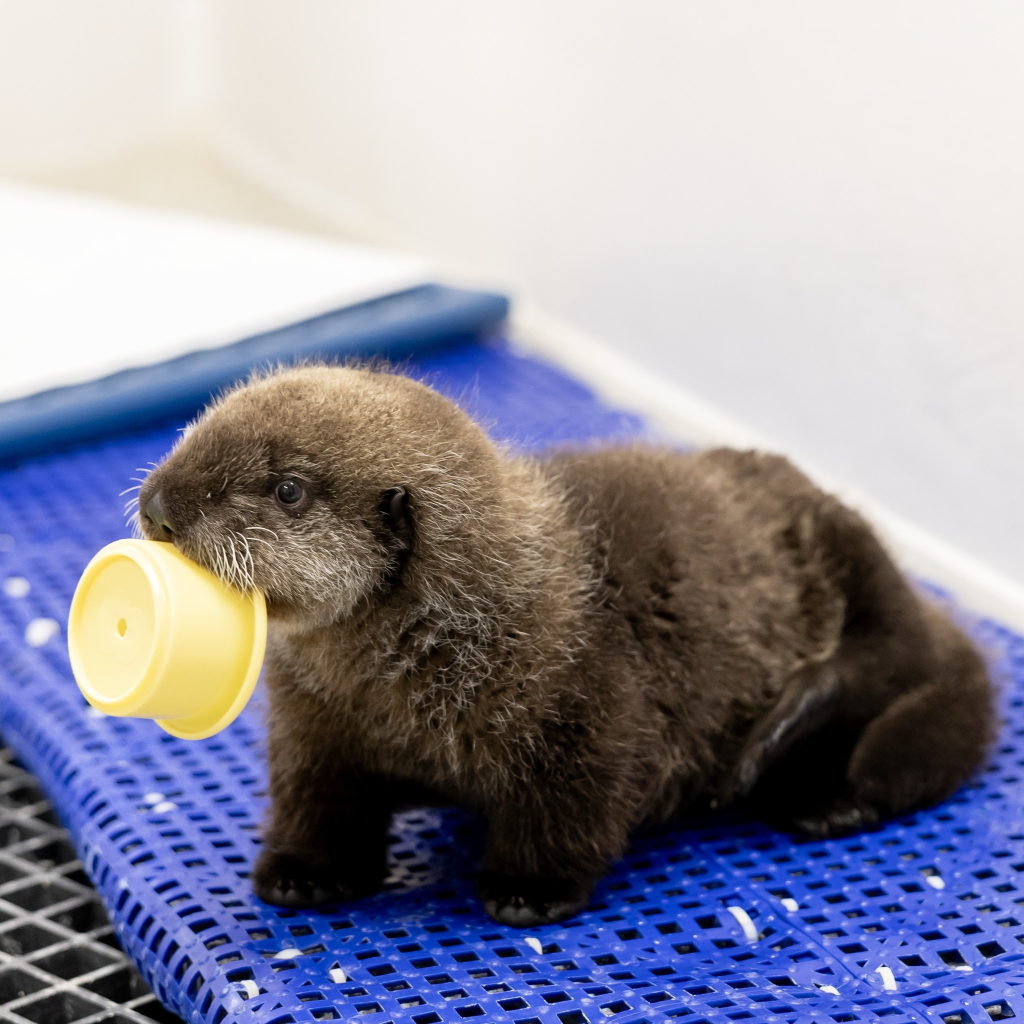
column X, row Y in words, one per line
column 571, row 646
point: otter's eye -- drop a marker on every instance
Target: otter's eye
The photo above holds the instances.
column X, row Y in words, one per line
column 289, row 493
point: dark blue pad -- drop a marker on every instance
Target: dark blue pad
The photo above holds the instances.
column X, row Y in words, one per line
column 395, row 325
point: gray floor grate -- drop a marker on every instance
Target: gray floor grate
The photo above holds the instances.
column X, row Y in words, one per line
column 59, row 957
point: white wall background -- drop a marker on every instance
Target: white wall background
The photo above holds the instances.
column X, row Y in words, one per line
column 86, row 80
column 812, row 214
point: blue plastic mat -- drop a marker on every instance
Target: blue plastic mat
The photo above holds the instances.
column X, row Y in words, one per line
column 919, row 921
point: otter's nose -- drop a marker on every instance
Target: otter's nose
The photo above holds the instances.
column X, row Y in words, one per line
column 155, row 514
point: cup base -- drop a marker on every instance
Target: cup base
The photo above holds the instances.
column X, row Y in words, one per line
column 204, row 724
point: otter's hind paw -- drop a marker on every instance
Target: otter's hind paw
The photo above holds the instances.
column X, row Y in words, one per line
column 526, row 902
column 841, row 819
column 285, row 881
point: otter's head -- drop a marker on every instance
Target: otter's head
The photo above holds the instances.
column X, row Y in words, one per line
column 314, row 485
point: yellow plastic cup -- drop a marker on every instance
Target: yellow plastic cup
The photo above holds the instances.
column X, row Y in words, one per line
column 152, row 634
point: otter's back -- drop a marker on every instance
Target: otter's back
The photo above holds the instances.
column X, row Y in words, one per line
column 715, row 561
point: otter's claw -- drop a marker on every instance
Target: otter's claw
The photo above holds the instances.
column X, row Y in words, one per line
column 526, row 902
column 285, row 881
column 841, row 819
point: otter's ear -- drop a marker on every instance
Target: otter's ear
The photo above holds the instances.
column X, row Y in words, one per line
column 394, row 508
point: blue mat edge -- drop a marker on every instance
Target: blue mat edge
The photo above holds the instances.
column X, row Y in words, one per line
column 80, row 805
column 392, row 325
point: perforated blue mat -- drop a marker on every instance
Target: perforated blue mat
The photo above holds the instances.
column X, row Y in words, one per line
column 921, row 920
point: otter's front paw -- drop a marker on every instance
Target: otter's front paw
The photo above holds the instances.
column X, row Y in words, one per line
column 525, row 902
column 286, row 881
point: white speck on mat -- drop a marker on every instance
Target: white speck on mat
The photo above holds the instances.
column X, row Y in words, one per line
column 287, row 954
column 743, row 920
column 17, row 586
column 167, row 805
column 153, row 798
column 338, row 976
column 888, row 981
column 936, row 881
column 41, row 631
column 790, row 904
column 830, row 989
column 534, row 944
column 252, row 990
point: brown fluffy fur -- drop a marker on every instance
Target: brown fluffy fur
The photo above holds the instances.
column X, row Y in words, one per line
column 571, row 646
